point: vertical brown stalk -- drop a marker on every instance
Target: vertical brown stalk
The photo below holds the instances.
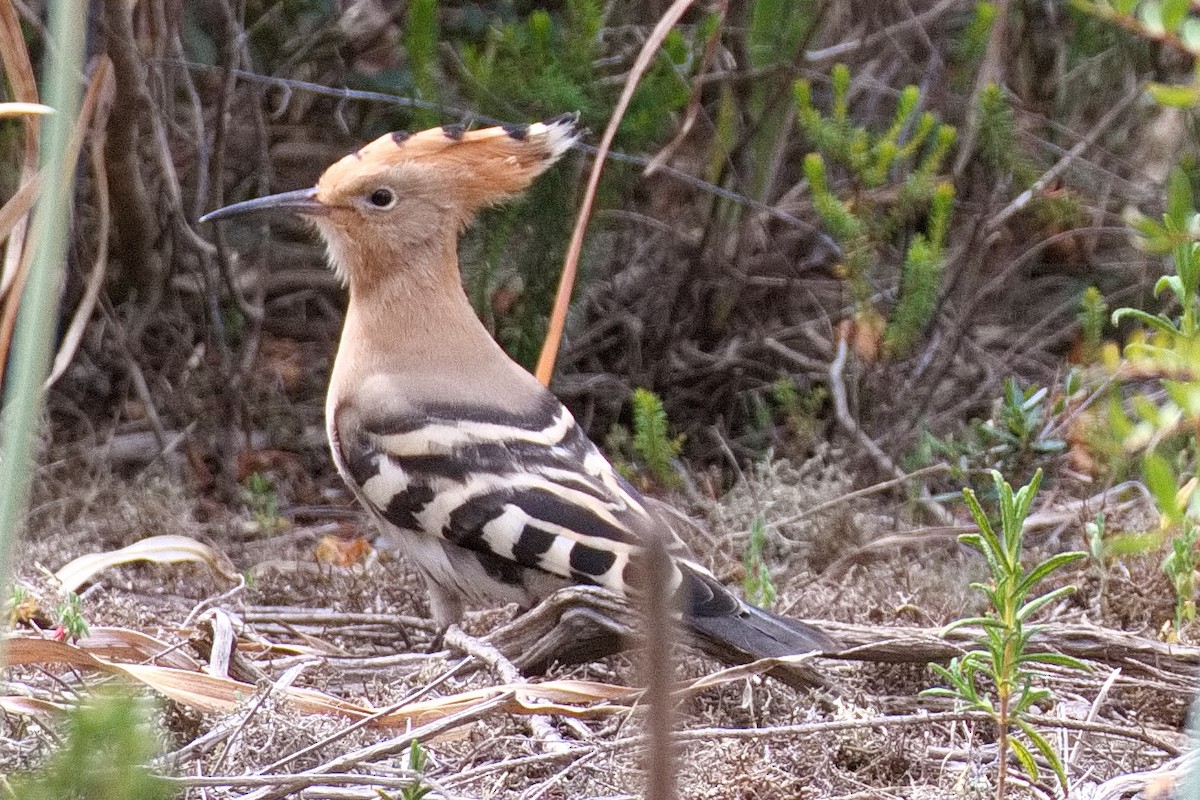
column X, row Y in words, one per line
column 659, row 675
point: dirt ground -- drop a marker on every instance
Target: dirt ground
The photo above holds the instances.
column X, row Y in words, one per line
column 359, row 633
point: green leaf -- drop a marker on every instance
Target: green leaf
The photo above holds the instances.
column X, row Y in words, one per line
column 1134, row 544
column 1025, row 758
column 1160, row 480
column 840, row 78
column 994, row 548
column 1157, row 321
column 1174, row 12
column 1179, row 195
column 1054, row 659
column 1045, row 749
column 1173, row 95
column 1033, row 605
column 1172, row 282
column 1189, row 34
column 1026, row 495
column 1052, row 564
column 960, row 623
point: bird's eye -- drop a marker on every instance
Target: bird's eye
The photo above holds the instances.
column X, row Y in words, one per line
column 382, row 198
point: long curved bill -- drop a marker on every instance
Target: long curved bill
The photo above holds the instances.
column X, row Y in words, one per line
column 301, row 201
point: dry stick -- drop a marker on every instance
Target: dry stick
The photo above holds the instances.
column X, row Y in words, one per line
column 1093, row 712
column 879, row 37
column 465, row 776
column 864, row 492
column 886, row 644
column 281, row 684
column 99, row 83
column 95, row 280
column 539, row 791
column 402, row 780
column 902, row 720
column 694, row 102
column 138, row 227
column 14, row 56
column 539, row 724
column 410, row 697
column 558, row 313
column 837, row 388
column 1061, row 165
column 302, row 616
column 136, row 376
column 288, row 784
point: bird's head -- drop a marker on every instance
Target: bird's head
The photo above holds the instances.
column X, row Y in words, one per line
column 406, row 195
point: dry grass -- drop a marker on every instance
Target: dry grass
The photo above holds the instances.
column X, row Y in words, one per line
column 869, row 735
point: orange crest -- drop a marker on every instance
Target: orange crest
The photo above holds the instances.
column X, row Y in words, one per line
column 475, row 168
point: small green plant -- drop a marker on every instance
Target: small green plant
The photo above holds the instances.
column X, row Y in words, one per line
column 920, row 278
column 263, row 502
column 71, row 621
column 648, row 453
column 655, row 447
column 1159, row 420
column 1012, row 440
column 18, row 598
column 971, row 46
column 759, row 587
column 1093, row 316
column 888, row 183
column 1180, row 566
column 1099, row 552
column 1003, row 655
column 787, row 415
column 1097, row 548
column 1000, row 149
column 1021, row 420
column 418, row 759
column 109, row 741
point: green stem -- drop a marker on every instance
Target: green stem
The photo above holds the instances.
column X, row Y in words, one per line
column 1002, row 745
column 30, row 354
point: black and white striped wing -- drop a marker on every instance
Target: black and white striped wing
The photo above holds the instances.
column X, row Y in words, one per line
column 528, row 493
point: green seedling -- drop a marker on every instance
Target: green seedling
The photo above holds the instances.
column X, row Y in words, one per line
column 1002, row 654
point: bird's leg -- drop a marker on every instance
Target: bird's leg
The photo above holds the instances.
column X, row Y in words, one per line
column 446, row 608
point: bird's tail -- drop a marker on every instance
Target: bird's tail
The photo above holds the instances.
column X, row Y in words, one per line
column 755, row 633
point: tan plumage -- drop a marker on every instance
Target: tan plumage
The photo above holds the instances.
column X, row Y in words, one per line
column 476, row 471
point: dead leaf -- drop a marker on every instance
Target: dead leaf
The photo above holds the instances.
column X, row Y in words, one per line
column 167, row 549
column 211, row 694
column 342, row 552
column 29, row 706
column 19, row 109
column 123, row 644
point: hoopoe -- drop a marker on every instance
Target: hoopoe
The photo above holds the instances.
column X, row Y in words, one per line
column 478, row 472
